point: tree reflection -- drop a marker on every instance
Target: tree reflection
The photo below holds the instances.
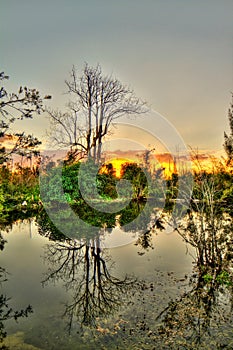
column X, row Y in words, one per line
column 85, row 270
column 6, row 312
column 201, row 315
column 204, row 313
column 144, row 219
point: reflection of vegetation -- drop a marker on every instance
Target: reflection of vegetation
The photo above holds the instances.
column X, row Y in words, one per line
column 6, row 312
column 84, row 269
column 144, row 219
column 208, row 226
column 2, row 242
column 199, row 317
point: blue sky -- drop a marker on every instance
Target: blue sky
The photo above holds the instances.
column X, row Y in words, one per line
column 175, row 54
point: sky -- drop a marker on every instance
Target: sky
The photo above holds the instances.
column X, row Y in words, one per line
column 176, row 54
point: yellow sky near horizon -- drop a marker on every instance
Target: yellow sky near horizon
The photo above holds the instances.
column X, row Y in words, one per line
column 165, row 160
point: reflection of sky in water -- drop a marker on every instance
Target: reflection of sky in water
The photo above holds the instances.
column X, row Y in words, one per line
column 117, row 238
column 169, row 254
column 23, row 259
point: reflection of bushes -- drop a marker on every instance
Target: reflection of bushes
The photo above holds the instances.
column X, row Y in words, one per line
column 94, row 216
column 6, row 312
column 198, row 318
column 131, row 212
column 208, row 226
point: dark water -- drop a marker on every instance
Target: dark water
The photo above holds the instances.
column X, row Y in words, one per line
column 121, row 312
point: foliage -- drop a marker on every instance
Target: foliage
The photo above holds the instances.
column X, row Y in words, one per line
column 172, row 187
column 18, row 106
column 80, row 263
column 104, row 183
column 133, row 173
column 228, row 139
column 19, row 187
column 208, row 225
column 18, row 190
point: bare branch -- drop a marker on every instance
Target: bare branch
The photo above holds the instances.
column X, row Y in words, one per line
column 97, row 101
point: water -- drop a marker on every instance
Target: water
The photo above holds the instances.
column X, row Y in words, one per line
column 118, row 310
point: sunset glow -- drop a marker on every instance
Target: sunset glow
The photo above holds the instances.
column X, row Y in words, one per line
column 204, row 162
column 116, row 163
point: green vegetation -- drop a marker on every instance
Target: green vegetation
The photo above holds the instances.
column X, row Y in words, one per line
column 19, row 191
column 141, row 201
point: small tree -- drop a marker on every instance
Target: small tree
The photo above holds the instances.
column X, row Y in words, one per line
column 208, row 224
column 18, row 106
column 228, row 139
column 133, row 173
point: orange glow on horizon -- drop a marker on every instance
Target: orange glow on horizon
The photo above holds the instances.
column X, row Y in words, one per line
column 116, row 163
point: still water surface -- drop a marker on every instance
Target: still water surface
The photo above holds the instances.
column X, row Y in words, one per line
column 139, row 287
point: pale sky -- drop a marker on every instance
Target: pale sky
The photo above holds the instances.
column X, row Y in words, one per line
column 176, row 54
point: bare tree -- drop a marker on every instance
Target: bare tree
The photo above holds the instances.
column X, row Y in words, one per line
column 97, row 100
column 228, row 139
column 66, row 132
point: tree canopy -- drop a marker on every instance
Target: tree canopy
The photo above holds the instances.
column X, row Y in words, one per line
column 96, row 100
column 19, row 105
column 228, row 139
